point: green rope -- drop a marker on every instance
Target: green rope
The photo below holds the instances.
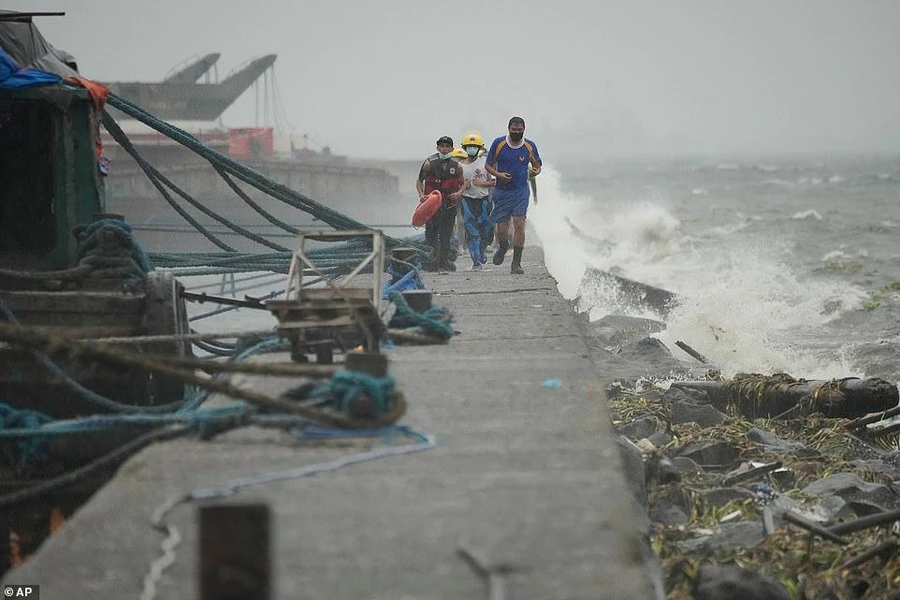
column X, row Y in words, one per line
column 32, row 450
column 345, row 386
column 435, row 321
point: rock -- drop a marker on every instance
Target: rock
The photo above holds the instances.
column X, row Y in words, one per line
column 685, row 465
column 633, row 462
column 618, row 330
column 849, row 487
column 858, row 509
column 651, row 351
column 892, row 458
column 673, row 508
column 776, row 444
column 734, row 583
column 711, row 455
column 704, row 415
column 668, row 515
column 877, row 466
column 780, row 504
column 660, row 438
column 722, row 496
column 745, row 534
column 685, row 394
column 642, row 427
column 661, row 471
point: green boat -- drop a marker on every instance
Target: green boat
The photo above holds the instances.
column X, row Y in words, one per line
column 67, row 267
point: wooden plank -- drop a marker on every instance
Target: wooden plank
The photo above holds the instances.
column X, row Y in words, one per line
column 87, row 331
column 73, row 302
column 339, row 294
column 337, row 322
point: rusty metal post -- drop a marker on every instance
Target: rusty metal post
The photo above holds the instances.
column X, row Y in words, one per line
column 370, row 363
column 418, row 300
column 235, row 552
column 406, row 255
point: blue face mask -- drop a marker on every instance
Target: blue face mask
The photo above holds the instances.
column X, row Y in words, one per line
column 444, row 156
column 471, row 150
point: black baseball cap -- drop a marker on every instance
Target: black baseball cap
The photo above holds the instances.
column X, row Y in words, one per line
column 446, row 139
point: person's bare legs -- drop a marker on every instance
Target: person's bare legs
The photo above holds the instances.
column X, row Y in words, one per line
column 502, row 233
column 518, row 244
column 518, row 230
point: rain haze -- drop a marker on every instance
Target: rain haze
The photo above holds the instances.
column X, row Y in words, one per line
column 386, row 79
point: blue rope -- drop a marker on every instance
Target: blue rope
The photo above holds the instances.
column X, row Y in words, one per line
column 409, row 281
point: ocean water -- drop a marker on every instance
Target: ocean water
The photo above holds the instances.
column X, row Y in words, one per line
column 782, row 264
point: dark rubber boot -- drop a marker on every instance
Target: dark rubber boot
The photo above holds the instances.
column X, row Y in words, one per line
column 516, row 267
column 500, row 254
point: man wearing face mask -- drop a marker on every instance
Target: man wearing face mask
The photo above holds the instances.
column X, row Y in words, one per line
column 441, row 172
column 508, row 160
column 475, row 201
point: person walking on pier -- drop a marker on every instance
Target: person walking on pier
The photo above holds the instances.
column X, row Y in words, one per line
column 508, row 160
column 441, row 172
column 475, row 203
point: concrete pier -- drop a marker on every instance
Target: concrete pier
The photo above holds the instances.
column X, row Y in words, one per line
column 526, row 471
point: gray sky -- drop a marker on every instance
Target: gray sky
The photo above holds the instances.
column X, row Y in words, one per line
column 388, row 78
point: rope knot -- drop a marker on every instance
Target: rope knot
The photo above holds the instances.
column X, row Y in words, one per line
column 435, row 320
column 32, row 449
column 109, row 248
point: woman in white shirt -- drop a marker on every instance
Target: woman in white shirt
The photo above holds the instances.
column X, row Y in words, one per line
column 475, row 203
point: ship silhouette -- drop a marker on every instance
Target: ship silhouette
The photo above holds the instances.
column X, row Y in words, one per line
column 179, row 97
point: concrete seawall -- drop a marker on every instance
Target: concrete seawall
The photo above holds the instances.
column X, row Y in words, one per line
column 527, row 473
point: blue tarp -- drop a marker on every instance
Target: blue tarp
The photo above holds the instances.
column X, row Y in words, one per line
column 13, row 77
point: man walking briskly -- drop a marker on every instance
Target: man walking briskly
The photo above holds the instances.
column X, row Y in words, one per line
column 508, row 160
column 441, row 172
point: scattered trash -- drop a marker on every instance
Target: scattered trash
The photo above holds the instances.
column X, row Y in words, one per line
column 551, row 383
column 763, row 493
column 730, row 516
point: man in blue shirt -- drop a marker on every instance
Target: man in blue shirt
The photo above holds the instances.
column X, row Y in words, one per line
column 508, row 160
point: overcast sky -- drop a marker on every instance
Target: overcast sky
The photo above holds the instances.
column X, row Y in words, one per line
column 388, row 78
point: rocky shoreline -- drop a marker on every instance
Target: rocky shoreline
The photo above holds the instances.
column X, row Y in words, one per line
column 746, row 508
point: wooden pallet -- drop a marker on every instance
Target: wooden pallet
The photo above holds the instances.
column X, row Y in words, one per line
column 322, row 325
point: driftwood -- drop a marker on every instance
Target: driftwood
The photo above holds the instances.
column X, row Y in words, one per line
column 692, row 352
column 886, row 547
column 780, row 395
column 815, row 528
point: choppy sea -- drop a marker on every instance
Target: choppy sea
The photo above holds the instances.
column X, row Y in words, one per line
column 782, row 264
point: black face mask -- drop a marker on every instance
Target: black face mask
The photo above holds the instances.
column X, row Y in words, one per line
column 516, row 137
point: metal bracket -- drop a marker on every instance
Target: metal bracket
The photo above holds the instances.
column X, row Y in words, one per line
column 302, row 265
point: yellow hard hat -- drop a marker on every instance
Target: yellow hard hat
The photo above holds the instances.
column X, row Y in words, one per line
column 473, row 138
column 458, row 153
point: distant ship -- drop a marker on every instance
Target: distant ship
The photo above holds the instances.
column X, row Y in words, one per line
column 179, row 97
column 196, row 108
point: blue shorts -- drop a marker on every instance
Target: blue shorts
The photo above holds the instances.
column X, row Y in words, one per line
column 509, row 203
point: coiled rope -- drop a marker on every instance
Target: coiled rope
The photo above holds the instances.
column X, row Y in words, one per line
column 434, row 321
